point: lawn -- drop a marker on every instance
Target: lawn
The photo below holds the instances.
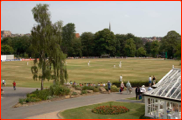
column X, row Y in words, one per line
column 136, row 110
column 100, row 70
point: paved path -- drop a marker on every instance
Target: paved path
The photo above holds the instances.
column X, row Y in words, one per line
column 50, row 109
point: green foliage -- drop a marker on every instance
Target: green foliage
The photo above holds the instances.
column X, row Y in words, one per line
column 104, row 42
column 59, row 90
column 155, row 48
column 74, row 93
column 6, row 49
column 87, row 88
column 148, row 48
column 87, row 41
column 96, row 89
column 133, row 83
column 141, row 52
column 22, row 100
column 84, row 92
column 78, row 88
column 130, row 48
column 169, row 43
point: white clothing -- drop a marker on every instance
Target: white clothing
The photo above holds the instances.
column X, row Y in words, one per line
column 142, row 90
column 120, row 79
column 150, row 79
column 104, row 84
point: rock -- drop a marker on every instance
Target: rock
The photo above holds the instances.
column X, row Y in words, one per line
column 72, row 96
column 102, row 89
column 89, row 91
column 67, row 96
column 72, row 89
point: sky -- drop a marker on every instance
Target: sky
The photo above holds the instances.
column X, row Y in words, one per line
column 143, row 19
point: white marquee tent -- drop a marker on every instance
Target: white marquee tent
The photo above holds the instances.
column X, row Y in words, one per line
column 164, row 102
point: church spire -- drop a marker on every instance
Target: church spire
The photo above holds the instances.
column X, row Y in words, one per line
column 109, row 26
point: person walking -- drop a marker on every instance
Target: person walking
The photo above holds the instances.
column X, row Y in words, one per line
column 153, row 80
column 150, row 80
column 137, row 92
column 109, row 87
column 129, row 87
column 122, row 87
column 14, row 85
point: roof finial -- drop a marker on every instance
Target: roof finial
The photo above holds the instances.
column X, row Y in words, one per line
column 109, row 26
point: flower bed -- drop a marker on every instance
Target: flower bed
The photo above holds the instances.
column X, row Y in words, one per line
column 110, row 110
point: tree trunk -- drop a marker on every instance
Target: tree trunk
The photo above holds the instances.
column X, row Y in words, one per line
column 42, row 86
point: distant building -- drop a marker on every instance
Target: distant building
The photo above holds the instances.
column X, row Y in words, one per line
column 5, row 34
column 77, row 35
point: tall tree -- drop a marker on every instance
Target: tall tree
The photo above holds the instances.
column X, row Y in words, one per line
column 155, row 48
column 46, row 45
column 87, row 41
column 68, row 35
column 169, row 43
column 104, row 42
column 130, row 48
column 148, row 48
column 6, row 49
column 141, row 52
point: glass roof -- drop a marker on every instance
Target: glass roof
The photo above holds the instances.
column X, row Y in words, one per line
column 169, row 86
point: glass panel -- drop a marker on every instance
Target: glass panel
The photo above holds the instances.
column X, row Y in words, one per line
column 179, row 96
column 176, row 93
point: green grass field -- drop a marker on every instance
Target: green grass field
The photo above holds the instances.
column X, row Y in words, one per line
column 100, row 70
column 136, row 110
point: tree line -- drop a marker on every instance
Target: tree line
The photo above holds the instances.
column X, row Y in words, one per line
column 99, row 43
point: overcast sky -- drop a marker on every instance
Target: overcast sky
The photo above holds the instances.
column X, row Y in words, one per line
column 142, row 19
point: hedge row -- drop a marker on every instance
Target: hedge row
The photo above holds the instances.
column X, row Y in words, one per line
column 133, row 83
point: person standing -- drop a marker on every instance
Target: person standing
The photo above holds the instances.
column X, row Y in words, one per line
column 14, row 85
column 3, row 82
column 153, row 80
column 120, row 78
column 109, row 86
column 122, row 87
column 143, row 90
column 137, row 92
column 129, row 87
column 150, row 80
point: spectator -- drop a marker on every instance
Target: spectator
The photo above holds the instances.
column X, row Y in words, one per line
column 129, row 87
column 109, row 86
column 153, row 80
column 122, row 87
column 14, row 85
column 3, row 83
column 137, row 92
column 150, row 80
column 143, row 90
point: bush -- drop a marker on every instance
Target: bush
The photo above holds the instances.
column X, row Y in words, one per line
column 59, row 90
column 84, row 92
column 133, row 83
column 42, row 94
column 114, row 89
column 78, row 88
column 110, row 110
column 88, row 88
column 49, row 97
column 22, row 100
column 96, row 89
column 74, row 93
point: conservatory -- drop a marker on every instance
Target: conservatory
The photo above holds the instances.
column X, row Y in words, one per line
column 164, row 101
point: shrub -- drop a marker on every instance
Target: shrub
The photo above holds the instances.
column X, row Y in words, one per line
column 22, row 100
column 74, row 93
column 42, row 94
column 96, row 89
column 110, row 110
column 133, row 83
column 114, row 89
column 78, row 88
column 84, row 92
column 59, row 90
column 32, row 95
column 88, row 88
column 49, row 97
